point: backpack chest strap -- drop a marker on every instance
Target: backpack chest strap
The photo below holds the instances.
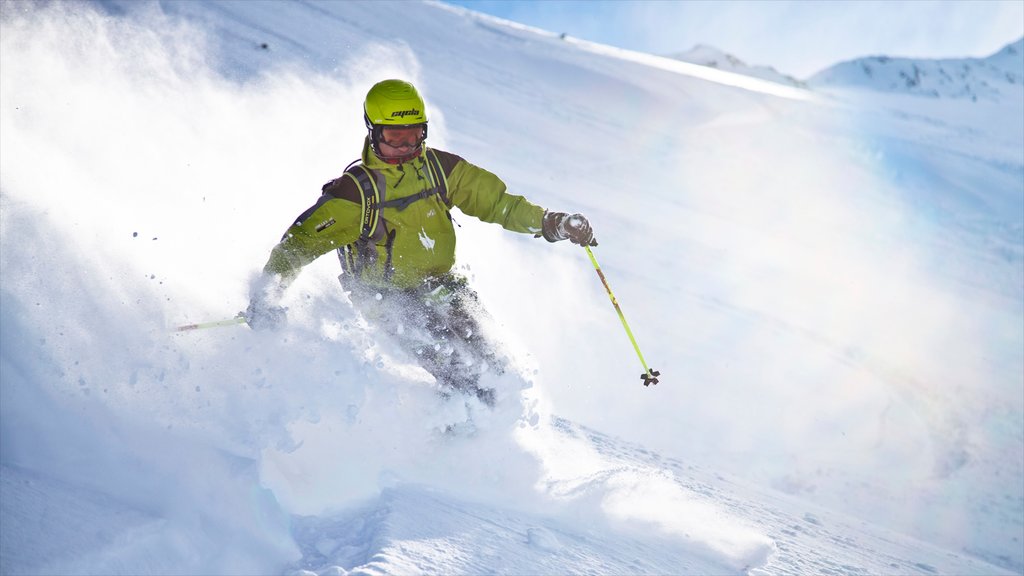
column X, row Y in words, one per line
column 403, row 203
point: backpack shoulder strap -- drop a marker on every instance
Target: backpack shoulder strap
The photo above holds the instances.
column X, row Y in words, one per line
column 437, row 174
column 369, row 195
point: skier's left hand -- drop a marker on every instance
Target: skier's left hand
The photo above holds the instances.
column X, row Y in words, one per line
column 263, row 316
column 573, row 227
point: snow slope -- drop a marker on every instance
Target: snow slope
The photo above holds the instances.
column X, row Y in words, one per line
column 832, row 287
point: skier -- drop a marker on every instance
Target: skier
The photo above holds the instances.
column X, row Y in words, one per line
column 389, row 221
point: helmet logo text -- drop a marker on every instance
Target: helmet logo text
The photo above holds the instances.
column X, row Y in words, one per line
column 404, row 113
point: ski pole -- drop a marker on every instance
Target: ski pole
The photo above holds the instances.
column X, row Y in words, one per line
column 202, row 326
column 649, row 376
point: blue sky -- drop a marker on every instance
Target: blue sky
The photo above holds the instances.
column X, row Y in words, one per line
column 798, row 37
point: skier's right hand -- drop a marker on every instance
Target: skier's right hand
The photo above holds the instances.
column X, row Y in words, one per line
column 575, row 228
column 263, row 316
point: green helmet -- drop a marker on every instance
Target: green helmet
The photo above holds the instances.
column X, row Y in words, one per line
column 392, row 104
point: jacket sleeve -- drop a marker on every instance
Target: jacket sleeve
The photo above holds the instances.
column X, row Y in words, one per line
column 329, row 224
column 483, row 195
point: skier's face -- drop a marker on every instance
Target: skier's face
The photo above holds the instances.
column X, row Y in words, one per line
column 397, row 141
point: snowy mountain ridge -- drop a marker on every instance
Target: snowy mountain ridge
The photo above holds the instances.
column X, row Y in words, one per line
column 997, row 77
column 710, row 56
column 833, row 290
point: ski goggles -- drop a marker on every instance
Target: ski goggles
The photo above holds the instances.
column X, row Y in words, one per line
column 400, row 137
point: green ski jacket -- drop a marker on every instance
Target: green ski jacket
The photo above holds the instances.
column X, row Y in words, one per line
column 411, row 244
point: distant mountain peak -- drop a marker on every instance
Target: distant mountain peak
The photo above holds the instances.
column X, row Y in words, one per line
column 1011, row 49
column 993, row 78
column 704, row 55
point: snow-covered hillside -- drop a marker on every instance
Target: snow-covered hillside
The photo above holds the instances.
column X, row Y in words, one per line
column 710, row 56
column 999, row 76
column 832, row 287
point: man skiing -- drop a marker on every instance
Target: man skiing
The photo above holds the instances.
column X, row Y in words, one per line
column 389, row 221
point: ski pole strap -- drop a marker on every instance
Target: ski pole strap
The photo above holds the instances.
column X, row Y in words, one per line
column 217, row 324
column 649, row 376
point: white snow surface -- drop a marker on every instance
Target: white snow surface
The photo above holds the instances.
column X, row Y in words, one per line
column 832, row 287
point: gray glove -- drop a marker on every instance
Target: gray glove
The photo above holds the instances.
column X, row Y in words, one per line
column 263, row 313
column 572, row 227
column 262, row 316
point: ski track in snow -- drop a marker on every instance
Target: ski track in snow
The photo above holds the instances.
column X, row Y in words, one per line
column 807, row 539
column 422, row 529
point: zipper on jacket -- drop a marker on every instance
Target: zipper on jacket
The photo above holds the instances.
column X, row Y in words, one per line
column 400, row 178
